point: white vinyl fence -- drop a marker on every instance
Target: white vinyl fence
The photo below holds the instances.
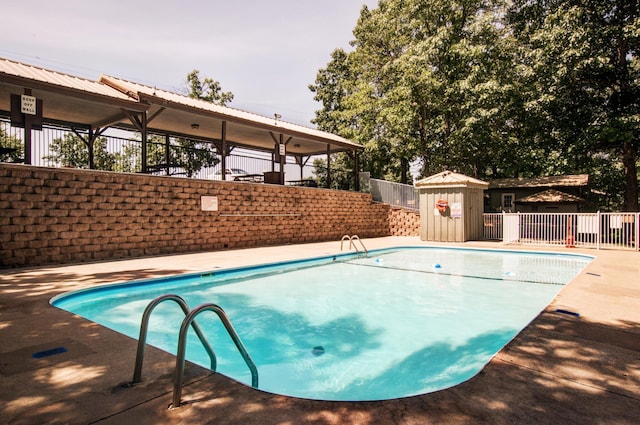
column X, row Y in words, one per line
column 595, row 230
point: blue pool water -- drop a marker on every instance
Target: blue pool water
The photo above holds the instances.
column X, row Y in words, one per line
column 397, row 323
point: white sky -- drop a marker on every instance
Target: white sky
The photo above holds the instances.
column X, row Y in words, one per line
column 265, row 52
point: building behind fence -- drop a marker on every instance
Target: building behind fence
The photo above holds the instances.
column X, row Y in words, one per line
column 594, row 230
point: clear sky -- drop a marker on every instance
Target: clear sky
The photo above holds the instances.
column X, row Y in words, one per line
column 266, row 52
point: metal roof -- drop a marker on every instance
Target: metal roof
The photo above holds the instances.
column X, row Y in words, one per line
column 179, row 114
column 66, row 98
column 449, row 179
column 111, row 101
column 570, row 180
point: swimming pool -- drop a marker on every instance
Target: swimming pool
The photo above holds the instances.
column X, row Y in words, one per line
column 397, row 323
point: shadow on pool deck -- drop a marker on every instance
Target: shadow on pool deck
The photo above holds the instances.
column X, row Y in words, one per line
column 560, row 369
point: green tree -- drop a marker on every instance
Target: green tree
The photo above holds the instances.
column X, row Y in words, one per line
column 71, row 151
column 129, row 158
column 341, row 172
column 581, row 80
column 427, row 80
column 207, row 89
column 182, row 155
column 494, row 89
column 185, row 155
column 14, row 146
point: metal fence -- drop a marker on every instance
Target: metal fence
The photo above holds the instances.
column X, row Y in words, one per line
column 394, row 194
column 584, row 230
column 121, row 151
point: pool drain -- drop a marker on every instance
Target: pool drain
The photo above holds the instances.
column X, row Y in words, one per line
column 318, row 350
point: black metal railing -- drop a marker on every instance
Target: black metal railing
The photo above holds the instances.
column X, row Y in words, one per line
column 121, row 151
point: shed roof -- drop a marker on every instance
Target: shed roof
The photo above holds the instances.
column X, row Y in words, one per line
column 449, row 179
column 550, row 196
column 570, row 180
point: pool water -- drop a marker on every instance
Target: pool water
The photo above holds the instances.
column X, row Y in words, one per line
column 397, row 323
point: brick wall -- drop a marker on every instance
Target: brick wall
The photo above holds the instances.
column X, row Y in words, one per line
column 53, row 215
column 404, row 222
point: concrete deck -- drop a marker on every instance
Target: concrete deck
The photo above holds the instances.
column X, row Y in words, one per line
column 560, row 369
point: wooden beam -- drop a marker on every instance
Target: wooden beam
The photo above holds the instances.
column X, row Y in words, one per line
column 143, row 136
column 137, row 123
column 328, row 166
column 223, row 153
column 155, row 114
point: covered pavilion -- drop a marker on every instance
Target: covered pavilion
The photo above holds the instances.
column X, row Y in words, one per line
column 91, row 107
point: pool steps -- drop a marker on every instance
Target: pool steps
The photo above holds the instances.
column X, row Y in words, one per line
column 188, row 321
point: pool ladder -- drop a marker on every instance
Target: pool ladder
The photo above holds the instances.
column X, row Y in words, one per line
column 189, row 320
column 352, row 244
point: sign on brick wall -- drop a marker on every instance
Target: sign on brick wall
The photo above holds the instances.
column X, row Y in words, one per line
column 209, row 203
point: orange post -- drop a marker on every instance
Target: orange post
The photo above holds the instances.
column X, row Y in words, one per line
column 570, row 241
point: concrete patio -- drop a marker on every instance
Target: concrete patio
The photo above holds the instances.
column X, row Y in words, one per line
column 560, row 369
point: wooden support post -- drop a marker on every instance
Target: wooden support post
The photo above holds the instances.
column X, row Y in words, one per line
column 143, row 134
column 282, row 157
column 223, row 162
column 356, row 170
column 328, row 166
column 90, row 144
column 27, row 133
column 167, row 153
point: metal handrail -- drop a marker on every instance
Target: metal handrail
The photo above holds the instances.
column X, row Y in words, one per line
column 345, row 238
column 144, row 326
column 352, row 244
column 355, row 237
column 182, row 347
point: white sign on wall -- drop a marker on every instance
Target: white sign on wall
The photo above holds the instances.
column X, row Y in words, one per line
column 27, row 104
column 209, row 203
column 456, row 209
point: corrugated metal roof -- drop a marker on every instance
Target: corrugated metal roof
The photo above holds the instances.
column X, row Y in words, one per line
column 571, row 180
column 163, row 96
column 102, row 103
column 34, row 73
column 550, row 196
column 450, row 179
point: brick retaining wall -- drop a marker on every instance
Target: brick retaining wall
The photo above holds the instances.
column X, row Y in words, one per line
column 404, row 222
column 58, row 215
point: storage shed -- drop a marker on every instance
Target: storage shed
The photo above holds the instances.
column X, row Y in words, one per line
column 451, row 207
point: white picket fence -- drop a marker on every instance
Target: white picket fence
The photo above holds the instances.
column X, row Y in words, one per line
column 595, row 230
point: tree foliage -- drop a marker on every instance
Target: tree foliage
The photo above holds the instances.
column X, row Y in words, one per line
column 424, row 76
column 14, row 146
column 582, row 78
column 491, row 89
column 71, row 151
column 207, row 89
column 186, row 155
column 183, row 156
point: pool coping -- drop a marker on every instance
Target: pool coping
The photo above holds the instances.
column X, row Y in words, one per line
column 562, row 367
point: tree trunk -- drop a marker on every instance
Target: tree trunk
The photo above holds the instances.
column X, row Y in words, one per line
column 404, row 171
column 630, row 176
